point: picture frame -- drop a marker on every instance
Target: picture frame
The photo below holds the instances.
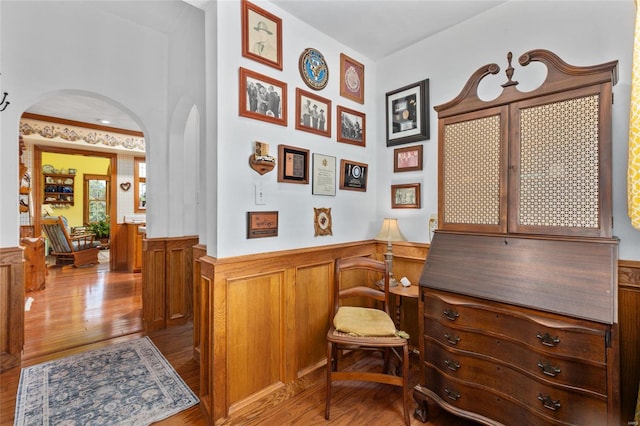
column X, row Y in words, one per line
column 351, row 126
column 351, row 79
column 322, row 222
column 293, row 164
column 405, row 196
column 353, row 175
column 324, row 175
column 261, row 35
column 407, row 159
column 407, row 114
column 262, row 224
column 262, row 98
column 311, row 109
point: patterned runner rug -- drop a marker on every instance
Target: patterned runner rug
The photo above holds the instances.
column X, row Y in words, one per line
column 128, row 383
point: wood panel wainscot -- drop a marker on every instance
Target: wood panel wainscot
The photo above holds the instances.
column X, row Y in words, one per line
column 263, row 321
column 629, row 317
column 167, row 281
column 11, row 307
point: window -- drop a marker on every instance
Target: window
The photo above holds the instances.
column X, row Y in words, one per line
column 140, row 184
column 96, row 198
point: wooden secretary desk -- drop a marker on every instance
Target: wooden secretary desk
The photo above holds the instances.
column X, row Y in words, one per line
column 518, row 299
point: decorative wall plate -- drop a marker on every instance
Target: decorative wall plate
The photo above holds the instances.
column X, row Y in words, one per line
column 48, row 168
column 322, row 221
column 313, row 69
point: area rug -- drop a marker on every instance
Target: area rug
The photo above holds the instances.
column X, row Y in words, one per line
column 128, row 383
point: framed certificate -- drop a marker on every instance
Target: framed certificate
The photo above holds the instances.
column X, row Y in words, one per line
column 324, row 175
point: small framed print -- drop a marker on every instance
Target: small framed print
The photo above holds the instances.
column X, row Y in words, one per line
column 324, row 175
column 262, row 98
column 322, row 222
column 313, row 113
column 351, row 79
column 262, row 224
column 407, row 159
column 407, row 114
column 353, row 175
column 351, row 126
column 405, row 196
column 293, row 164
column 261, row 35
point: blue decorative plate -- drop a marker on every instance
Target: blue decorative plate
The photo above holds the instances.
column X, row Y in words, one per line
column 313, row 69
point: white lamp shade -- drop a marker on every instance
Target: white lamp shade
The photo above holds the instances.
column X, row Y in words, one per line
column 390, row 231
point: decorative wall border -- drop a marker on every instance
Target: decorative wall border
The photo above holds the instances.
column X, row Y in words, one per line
column 82, row 133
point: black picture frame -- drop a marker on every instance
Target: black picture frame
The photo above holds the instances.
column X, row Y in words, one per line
column 407, row 114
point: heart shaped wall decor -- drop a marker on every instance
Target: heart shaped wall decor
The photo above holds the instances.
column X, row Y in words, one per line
column 125, row 186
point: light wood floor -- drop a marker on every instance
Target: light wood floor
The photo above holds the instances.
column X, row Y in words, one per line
column 87, row 308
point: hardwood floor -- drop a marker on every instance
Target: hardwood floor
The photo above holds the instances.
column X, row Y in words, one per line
column 87, row 308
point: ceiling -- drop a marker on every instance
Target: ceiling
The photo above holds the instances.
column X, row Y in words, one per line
column 375, row 28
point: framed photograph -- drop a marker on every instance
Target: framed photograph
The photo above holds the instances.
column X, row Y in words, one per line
column 322, row 222
column 262, row 224
column 405, row 196
column 408, row 114
column 353, row 175
column 293, row 164
column 351, row 79
column 351, row 126
column 324, row 175
column 261, row 35
column 407, row 159
column 313, row 113
column 263, row 98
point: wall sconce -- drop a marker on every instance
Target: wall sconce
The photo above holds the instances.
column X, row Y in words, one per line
column 390, row 232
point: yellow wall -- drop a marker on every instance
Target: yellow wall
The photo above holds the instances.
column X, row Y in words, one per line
column 83, row 165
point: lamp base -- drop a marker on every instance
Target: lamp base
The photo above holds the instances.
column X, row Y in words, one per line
column 392, row 283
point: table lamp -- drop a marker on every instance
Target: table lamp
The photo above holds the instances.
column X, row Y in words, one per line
column 390, row 232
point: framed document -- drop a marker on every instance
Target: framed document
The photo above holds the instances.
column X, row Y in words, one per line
column 293, row 164
column 324, row 175
column 353, row 175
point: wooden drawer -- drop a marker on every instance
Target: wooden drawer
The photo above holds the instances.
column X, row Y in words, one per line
column 553, row 370
column 529, row 406
column 559, row 336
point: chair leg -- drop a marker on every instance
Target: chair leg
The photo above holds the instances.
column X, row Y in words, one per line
column 405, row 383
column 330, row 367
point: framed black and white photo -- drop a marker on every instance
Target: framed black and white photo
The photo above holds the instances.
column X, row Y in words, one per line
column 353, row 175
column 407, row 111
column 324, row 175
column 351, row 126
column 261, row 35
column 313, row 113
column 262, row 98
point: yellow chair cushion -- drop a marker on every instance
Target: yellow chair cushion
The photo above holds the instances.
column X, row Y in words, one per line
column 363, row 321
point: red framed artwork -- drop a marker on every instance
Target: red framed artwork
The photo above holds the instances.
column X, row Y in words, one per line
column 313, row 113
column 351, row 79
column 350, row 126
column 261, row 35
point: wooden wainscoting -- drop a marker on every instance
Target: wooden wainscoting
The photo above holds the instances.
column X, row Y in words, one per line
column 167, row 281
column 263, row 322
column 11, row 307
column 629, row 321
column 199, row 250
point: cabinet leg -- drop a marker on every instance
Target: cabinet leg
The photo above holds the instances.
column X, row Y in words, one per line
column 422, row 410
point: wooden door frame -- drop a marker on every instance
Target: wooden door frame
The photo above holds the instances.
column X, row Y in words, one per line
column 37, row 188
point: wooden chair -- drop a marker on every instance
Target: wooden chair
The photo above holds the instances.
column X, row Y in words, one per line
column 82, row 250
column 365, row 328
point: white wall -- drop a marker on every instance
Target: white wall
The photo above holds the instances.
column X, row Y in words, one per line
column 353, row 213
column 94, row 48
column 581, row 33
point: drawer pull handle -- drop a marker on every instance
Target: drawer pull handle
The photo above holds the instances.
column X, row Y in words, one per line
column 453, row 395
column 549, row 403
column 452, row 365
column 549, row 369
column 454, row 340
column 450, row 314
column 547, row 340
